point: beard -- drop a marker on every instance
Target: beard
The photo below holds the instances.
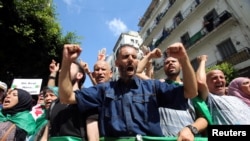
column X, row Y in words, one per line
column 173, row 73
column 73, row 80
column 124, row 71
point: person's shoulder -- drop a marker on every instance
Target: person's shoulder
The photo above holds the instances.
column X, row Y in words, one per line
column 105, row 85
column 234, row 99
column 148, row 80
column 159, row 84
column 212, row 96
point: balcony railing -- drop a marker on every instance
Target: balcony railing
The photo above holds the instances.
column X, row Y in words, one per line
column 175, row 24
column 158, row 19
column 224, row 16
column 238, row 57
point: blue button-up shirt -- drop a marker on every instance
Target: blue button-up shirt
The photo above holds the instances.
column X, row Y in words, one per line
column 130, row 109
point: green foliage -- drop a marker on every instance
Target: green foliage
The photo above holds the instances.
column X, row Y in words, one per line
column 71, row 37
column 227, row 68
column 31, row 37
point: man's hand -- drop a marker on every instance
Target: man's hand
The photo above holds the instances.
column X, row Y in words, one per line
column 202, row 58
column 156, row 53
column 54, row 67
column 177, row 50
column 101, row 54
column 85, row 67
column 185, row 135
column 71, row 52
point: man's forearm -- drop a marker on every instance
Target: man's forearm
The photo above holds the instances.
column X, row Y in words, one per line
column 52, row 79
column 201, row 124
column 189, row 79
column 201, row 79
column 142, row 63
column 65, row 86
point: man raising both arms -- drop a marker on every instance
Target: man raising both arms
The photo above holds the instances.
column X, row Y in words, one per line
column 129, row 105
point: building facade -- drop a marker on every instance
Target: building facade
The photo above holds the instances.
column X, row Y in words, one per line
column 218, row 29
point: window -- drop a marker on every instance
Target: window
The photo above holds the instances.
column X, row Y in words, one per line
column 210, row 19
column 171, row 2
column 195, row 64
column 148, row 32
column 151, row 45
column 178, row 19
column 226, row 48
column 132, row 40
column 185, row 40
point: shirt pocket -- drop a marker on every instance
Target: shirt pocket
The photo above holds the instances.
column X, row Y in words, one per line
column 144, row 107
column 113, row 120
column 113, row 107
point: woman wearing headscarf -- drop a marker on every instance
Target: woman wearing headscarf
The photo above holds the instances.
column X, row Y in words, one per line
column 240, row 87
column 15, row 115
column 50, row 94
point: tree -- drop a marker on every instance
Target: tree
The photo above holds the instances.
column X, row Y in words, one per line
column 227, row 68
column 30, row 37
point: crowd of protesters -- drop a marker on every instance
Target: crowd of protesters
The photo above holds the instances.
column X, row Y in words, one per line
column 135, row 106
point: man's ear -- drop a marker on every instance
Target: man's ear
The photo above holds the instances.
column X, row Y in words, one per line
column 79, row 75
column 110, row 74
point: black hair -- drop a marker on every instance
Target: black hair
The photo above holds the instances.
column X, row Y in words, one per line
column 80, row 69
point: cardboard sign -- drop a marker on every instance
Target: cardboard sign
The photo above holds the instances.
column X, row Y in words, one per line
column 33, row 86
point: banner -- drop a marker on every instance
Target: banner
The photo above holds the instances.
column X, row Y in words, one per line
column 33, row 86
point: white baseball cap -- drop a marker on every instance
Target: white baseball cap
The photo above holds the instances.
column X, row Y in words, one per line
column 3, row 86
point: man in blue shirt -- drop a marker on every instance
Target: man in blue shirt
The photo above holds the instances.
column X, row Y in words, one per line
column 128, row 106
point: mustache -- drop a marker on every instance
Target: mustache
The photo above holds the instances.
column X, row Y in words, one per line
column 125, row 68
column 122, row 69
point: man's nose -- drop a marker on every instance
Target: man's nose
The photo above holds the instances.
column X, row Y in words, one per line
column 99, row 71
column 130, row 57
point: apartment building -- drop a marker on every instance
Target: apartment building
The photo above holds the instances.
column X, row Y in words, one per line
column 217, row 28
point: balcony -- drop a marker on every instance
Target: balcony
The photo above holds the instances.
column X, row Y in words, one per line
column 148, row 13
column 209, row 27
column 159, row 17
column 176, row 21
column 238, row 57
column 217, row 21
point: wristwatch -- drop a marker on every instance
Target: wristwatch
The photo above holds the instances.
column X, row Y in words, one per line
column 193, row 129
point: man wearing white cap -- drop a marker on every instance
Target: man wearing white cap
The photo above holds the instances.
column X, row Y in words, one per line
column 3, row 89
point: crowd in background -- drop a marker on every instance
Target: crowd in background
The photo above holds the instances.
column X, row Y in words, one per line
column 135, row 107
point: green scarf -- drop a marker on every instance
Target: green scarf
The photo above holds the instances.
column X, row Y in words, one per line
column 23, row 120
column 201, row 106
column 173, row 82
column 41, row 121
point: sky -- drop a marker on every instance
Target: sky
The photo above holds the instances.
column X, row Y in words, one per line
column 99, row 23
